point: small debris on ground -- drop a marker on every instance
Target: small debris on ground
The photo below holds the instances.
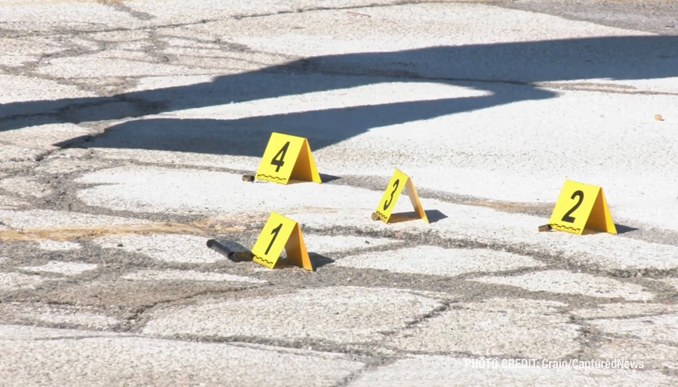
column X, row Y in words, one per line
column 545, row 227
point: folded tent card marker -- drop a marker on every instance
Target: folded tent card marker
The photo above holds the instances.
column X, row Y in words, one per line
column 395, row 187
column 287, row 157
column 281, row 233
column 581, row 207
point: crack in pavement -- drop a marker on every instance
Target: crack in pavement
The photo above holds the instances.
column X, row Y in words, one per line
column 118, row 5
column 117, row 263
column 138, row 319
column 602, row 88
column 57, row 338
column 66, row 196
column 318, row 345
column 124, row 8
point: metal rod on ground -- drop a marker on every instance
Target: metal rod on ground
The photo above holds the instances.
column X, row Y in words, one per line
column 239, row 256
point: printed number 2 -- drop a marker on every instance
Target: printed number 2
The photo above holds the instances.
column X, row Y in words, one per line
column 281, row 153
column 275, row 235
column 387, row 203
column 567, row 217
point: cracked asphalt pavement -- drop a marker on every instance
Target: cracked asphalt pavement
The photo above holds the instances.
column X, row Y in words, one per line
column 125, row 127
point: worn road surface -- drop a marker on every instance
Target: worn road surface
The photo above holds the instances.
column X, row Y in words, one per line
column 125, row 127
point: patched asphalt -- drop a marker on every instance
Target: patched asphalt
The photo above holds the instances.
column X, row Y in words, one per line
column 126, row 126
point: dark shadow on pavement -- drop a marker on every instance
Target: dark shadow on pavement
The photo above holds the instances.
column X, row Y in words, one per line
column 622, row 229
column 328, row 178
column 319, row 260
column 505, row 72
column 434, row 215
column 249, row 136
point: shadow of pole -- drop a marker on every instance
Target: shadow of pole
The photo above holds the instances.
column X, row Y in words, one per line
column 496, row 68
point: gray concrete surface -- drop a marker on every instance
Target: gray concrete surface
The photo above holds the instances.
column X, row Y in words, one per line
column 125, row 127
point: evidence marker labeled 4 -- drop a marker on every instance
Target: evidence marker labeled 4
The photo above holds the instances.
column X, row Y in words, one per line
column 287, row 157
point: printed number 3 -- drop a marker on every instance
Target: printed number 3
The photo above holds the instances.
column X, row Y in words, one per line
column 275, row 235
column 567, row 217
column 281, row 153
column 387, row 203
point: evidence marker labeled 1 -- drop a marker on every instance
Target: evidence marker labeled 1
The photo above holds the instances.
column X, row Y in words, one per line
column 287, row 157
column 392, row 194
column 281, row 233
column 579, row 207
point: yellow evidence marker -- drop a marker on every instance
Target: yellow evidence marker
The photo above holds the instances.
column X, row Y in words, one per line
column 392, row 194
column 581, row 206
column 280, row 232
column 287, row 157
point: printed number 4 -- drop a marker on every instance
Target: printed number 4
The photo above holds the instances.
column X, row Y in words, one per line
column 567, row 217
column 387, row 203
column 281, row 153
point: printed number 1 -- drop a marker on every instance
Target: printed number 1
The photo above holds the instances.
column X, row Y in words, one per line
column 567, row 217
column 281, row 153
column 275, row 235
column 387, row 203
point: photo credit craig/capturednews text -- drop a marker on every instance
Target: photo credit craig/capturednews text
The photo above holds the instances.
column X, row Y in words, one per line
column 489, row 363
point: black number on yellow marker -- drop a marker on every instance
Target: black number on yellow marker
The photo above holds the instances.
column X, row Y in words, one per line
column 281, row 153
column 387, row 203
column 567, row 217
column 275, row 231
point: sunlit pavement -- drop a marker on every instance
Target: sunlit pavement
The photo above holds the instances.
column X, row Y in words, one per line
column 125, row 128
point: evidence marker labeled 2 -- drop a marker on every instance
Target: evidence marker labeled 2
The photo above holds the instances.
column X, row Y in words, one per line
column 579, row 207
